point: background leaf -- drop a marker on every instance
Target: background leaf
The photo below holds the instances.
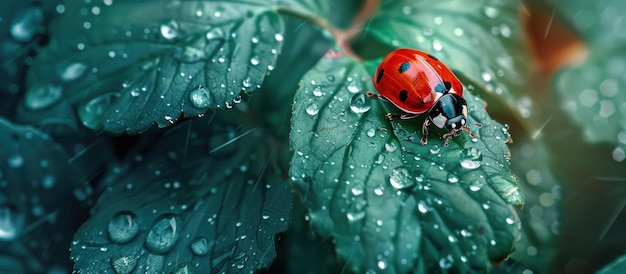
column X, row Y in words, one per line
column 210, row 201
column 128, row 64
column 34, row 176
column 390, row 203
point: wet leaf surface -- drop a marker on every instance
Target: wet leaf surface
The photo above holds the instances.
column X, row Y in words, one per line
column 390, row 203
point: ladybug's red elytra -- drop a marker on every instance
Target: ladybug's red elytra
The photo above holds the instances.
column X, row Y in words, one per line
column 417, row 82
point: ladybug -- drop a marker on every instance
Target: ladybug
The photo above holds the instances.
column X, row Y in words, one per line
column 416, row 83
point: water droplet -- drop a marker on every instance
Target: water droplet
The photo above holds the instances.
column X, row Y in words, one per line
column 313, row 109
column 371, row 132
column 435, row 149
column 123, row 227
column 471, row 158
column 357, row 189
column 26, row 23
column 169, row 30
column 491, row 12
column 200, row 97
column 391, row 146
column 42, row 96
column 422, row 206
column 446, row 262
column 124, row 265
column 381, row 264
column 360, row 103
column 11, row 222
column 91, row 112
column 279, row 37
column 15, row 161
column 255, row 60
column 379, row 190
column 317, row 91
column 163, row 235
column 72, row 71
column 453, row 178
column 353, row 87
column 215, row 34
column 48, row 181
column 200, row 246
column 400, row 178
column 475, row 185
column 510, row 221
column 355, row 216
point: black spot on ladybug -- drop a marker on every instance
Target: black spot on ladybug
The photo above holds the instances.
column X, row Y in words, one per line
column 447, row 85
column 404, row 67
column 380, row 75
column 403, row 95
column 433, row 57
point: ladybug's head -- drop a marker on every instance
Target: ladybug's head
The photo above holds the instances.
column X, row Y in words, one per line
column 450, row 111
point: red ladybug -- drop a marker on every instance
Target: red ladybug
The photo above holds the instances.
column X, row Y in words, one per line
column 417, row 82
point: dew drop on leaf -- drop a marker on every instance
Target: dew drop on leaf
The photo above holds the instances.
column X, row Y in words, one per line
column 42, row 96
column 353, row 87
column 355, row 216
column 471, row 158
column 72, row 71
column 371, row 132
column 15, row 161
column 200, row 97
column 124, row 264
column 317, row 91
column 452, row 178
column 200, row 246
column 214, row 34
column 11, row 222
column 446, row 262
column 255, row 60
column 435, row 149
column 360, row 103
column 475, row 185
column 312, row 109
column 26, row 23
column 123, row 227
column 169, row 30
column 163, row 235
column 400, row 178
column 422, row 207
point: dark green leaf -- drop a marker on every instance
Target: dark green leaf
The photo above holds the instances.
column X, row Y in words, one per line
column 389, row 202
column 129, row 64
column 616, row 267
column 591, row 95
column 34, row 177
column 207, row 199
column 479, row 39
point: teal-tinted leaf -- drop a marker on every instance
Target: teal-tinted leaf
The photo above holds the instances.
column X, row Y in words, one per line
column 390, row 203
column 616, row 267
column 482, row 40
column 598, row 22
column 207, row 199
column 128, row 64
column 592, row 95
column 34, row 177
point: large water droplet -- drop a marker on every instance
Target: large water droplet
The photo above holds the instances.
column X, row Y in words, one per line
column 123, row 227
column 11, row 222
column 475, row 185
column 163, row 235
column 471, row 158
column 313, row 109
column 26, row 23
column 215, row 34
column 170, row 30
column 360, row 103
column 72, row 71
column 200, row 246
column 200, row 97
column 400, row 178
column 42, row 96
column 124, row 264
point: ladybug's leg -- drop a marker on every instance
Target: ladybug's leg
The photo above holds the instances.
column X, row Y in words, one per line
column 425, row 125
column 375, row 96
column 449, row 136
column 404, row 116
column 467, row 129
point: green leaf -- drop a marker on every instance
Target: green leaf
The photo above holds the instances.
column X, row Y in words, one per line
column 390, row 203
column 34, row 177
column 591, row 95
column 479, row 39
column 615, row 267
column 129, row 64
column 206, row 199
